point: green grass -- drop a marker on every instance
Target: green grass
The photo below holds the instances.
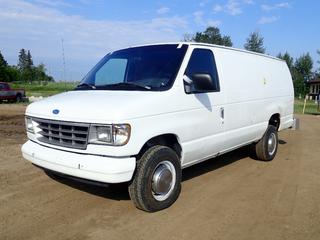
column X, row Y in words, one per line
column 311, row 107
column 53, row 88
column 45, row 90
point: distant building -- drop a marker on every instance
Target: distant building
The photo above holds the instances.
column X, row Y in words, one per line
column 314, row 85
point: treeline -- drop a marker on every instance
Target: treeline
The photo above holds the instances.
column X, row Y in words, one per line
column 301, row 68
column 25, row 71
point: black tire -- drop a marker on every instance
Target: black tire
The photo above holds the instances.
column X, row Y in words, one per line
column 141, row 187
column 267, row 151
column 18, row 98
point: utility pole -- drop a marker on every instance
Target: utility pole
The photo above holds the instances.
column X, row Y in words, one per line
column 63, row 66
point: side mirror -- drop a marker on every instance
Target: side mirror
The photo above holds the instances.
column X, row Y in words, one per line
column 203, row 82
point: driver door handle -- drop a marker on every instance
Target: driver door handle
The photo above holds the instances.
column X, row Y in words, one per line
column 222, row 113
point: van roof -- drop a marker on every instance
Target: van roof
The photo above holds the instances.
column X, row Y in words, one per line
column 211, row 45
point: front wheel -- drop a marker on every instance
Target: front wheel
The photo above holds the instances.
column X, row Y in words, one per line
column 267, row 147
column 157, row 181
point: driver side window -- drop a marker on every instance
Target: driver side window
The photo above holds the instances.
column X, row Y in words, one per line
column 202, row 62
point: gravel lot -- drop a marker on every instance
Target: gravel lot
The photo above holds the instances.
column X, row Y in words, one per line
column 230, row 197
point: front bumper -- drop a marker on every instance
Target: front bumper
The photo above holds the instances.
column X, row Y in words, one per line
column 87, row 166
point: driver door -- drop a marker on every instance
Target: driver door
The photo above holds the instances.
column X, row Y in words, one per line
column 206, row 132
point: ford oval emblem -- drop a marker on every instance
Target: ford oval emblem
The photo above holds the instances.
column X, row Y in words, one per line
column 55, row 111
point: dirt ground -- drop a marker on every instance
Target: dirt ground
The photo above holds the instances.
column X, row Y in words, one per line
column 230, row 197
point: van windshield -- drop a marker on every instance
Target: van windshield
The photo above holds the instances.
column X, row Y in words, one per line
column 147, row 68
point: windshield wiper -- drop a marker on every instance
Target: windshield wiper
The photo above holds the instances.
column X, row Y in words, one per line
column 127, row 84
column 87, row 85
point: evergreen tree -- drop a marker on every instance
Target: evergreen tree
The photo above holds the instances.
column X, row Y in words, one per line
column 22, row 62
column 3, row 69
column 29, row 60
column 288, row 59
column 255, row 43
column 3, row 62
column 25, row 66
column 304, row 65
column 211, row 35
column 24, row 70
column 302, row 73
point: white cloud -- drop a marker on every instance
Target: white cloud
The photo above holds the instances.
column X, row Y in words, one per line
column 250, row 2
column 266, row 7
column 163, row 10
column 198, row 18
column 232, row 7
column 203, row 3
column 266, row 20
column 213, row 23
column 217, row 8
column 40, row 29
column 54, row 3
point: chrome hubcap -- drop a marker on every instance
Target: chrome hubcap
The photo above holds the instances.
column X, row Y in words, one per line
column 163, row 180
column 272, row 144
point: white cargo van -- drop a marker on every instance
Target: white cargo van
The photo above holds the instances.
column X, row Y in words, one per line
column 144, row 113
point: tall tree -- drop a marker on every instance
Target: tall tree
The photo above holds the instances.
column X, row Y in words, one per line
column 29, row 60
column 187, row 37
column 40, row 73
column 301, row 74
column 304, row 65
column 13, row 73
column 25, row 65
column 22, row 62
column 3, row 69
column 288, row 59
column 255, row 43
column 211, row 35
column 3, row 62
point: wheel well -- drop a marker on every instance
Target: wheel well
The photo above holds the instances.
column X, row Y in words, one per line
column 169, row 140
column 275, row 120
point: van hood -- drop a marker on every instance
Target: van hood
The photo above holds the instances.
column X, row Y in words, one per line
column 96, row 106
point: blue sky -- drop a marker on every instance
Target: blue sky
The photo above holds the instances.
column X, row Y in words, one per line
column 90, row 29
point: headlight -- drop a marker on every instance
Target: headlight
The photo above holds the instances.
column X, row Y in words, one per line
column 117, row 134
column 29, row 125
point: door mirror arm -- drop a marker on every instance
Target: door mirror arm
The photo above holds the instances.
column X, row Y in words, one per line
column 187, row 83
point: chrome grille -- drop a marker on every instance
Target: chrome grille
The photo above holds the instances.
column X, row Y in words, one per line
column 65, row 134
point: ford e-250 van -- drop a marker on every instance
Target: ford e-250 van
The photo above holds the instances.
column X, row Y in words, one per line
column 144, row 113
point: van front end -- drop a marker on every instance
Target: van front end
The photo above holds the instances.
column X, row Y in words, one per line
column 77, row 149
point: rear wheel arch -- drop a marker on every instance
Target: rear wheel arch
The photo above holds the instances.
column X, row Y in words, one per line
column 275, row 120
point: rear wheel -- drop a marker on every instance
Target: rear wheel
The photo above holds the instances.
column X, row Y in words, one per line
column 266, row 148
column 157, row 181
